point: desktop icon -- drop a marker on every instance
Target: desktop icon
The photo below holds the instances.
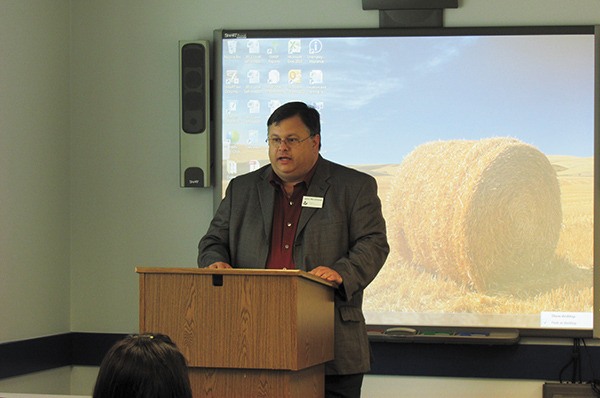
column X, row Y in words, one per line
column 253, row 106
column 294, row 46
column 253, row 46
column 274, row 77
column 315, row 76
column 253, row 76
column 231, row 76
column 315, row 46
column 295, row 76
column 232, row 46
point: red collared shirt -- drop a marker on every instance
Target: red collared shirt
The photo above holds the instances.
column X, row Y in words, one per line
column 286, row 215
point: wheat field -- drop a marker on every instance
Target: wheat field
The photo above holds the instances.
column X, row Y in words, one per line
column 566, row 286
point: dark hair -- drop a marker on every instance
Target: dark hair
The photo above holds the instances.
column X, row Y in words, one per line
column 309, row 115
column 143, row 366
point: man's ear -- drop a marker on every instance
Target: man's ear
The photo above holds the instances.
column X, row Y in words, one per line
column 317, row 140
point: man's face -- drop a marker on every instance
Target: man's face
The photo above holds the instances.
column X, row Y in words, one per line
column 292, row 162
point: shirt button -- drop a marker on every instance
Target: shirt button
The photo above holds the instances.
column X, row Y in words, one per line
column 291, row 203
column 287, row 246
column 289, row 224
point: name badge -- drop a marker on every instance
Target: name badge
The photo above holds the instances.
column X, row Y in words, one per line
column 312, row 201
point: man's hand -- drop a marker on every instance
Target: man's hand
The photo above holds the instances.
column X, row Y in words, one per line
column 329, row 274
column 219, row 265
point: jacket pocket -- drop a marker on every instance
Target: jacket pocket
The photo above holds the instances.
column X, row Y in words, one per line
column 351, row 314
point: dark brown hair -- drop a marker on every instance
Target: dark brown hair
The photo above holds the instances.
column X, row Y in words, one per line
column 143, row 366
column 309, row 115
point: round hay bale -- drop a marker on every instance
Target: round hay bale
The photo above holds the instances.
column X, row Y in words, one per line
column 487, row 213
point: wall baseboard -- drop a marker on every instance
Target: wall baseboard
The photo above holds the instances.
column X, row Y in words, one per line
column 50, row 352
column 516, row 361
column 519, row 361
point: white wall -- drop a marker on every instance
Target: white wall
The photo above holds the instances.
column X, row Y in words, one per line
column 89, row 172
column 34, row 168
column 54, row 381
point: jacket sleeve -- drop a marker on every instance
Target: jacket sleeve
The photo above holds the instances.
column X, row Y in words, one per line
column 368, row 247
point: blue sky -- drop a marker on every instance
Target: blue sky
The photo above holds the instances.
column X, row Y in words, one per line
column 381, row 97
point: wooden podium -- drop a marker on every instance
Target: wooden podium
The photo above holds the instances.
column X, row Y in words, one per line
column 244, row 332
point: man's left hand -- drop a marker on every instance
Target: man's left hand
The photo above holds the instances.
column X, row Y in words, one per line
column 329, row 274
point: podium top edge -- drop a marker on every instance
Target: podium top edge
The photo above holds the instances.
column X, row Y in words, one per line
column 232, row 271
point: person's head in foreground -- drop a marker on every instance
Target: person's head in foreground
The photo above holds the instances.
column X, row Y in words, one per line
column 143, row 366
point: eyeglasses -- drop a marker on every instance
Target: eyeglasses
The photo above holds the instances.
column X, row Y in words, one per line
column 290, row 141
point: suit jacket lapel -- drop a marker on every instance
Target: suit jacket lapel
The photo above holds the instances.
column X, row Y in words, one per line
column 266, row 199
column 318, row 187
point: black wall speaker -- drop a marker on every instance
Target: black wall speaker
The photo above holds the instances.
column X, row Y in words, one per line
column 194, row 110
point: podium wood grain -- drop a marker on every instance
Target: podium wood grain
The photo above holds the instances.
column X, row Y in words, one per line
column 252, row 383
column 250, row 330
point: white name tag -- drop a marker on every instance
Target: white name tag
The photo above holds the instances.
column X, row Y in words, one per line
column 312, row 201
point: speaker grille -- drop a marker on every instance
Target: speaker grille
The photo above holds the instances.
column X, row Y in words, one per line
column 193, row 88
column 195, row 167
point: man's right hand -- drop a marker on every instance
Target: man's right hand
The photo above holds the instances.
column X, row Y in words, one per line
column 219, row 265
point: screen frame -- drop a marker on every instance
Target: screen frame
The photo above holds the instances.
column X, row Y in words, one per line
column 217, row 98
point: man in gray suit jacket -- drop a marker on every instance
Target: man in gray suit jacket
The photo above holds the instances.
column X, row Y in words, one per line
column 302, row 211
